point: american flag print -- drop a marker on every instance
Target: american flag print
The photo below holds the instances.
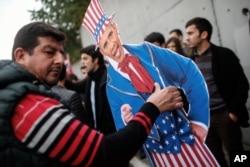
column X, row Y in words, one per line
column 171, row 143
column 196, row 155
column 168, row 132
column 95, row 20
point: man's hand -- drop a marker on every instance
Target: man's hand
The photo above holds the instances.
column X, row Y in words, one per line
column 126, row 113
column 199, row 132
column 166, row 99
column 233, row 117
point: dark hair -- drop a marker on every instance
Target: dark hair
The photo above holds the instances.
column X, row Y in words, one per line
column 202, row 25
column 177, row 45
column 72, row 77
column 155, row 37
column 177, row 31
column 27, row 36
column 94, row 52
column 63, row 73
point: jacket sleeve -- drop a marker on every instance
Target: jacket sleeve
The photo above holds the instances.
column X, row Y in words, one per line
column 78, row 108
column 48, row 128
column 79, row 86
column 118, row 148
column 232, row 82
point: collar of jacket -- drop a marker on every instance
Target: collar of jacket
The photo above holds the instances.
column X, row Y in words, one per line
column 98, row 73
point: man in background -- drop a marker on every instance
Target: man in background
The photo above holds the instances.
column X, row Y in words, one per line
column 177, row 33
column 94, row 89
column 228, row 89
column 156, row 38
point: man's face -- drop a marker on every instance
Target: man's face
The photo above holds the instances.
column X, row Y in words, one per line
column 194, row 38
column 110, row 44
column 88, row 62
column 175, row 35
column 46, row 60
column 84, row 72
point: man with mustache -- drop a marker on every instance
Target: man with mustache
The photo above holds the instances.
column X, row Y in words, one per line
column 37, row 130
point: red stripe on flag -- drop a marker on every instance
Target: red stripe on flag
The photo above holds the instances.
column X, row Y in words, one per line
column 196, row 155
column 157, row 160
column 185, row 157
column 207, row 153
column 178, row 159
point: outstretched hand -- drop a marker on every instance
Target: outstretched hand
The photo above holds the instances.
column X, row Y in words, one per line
column 166, row 99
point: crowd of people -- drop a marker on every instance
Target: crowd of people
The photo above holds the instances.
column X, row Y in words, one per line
column 164, row 98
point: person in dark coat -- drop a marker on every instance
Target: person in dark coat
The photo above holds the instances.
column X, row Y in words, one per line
column 70, row 98
column 228, row 89
column 94, row 88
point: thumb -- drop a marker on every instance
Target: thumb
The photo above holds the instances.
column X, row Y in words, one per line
column 157, row 87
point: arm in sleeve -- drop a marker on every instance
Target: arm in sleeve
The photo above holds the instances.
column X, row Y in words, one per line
column 78, row 87
column 45, row 126
column 78, row 108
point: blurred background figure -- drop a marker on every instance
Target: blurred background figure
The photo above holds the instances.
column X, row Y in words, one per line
column 93, row 89
column 177, row 33
column 72, row 77
column 228, row 90
column 156, row 38
column 175, row 45
column 84, row 72
column 69, row 97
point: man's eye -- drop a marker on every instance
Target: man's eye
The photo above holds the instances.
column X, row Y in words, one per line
column 50, row 53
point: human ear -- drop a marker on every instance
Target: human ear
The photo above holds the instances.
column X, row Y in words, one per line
column 20, row 55
column 204, row 35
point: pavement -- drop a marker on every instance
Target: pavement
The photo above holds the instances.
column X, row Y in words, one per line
column 137, row 162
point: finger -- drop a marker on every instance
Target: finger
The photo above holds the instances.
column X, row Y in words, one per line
column 157, row 87
column 179, row 104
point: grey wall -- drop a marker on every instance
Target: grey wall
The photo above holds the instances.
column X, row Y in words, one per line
column 137, row 18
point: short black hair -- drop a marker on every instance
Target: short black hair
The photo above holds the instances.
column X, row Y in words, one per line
column 27, row 36
column 94, row 52
column 177, row 31
column 202, row 25
column 155, row 37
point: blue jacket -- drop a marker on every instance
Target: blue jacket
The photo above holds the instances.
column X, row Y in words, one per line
column 168, row 69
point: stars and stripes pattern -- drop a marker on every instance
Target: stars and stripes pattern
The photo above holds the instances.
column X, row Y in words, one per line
column 171, row 143
column 190, row 155
column 169, row 131
column 95, row 20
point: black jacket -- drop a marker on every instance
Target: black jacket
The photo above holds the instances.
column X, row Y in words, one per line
column 72, row 100
column 105, row 122
column 231, row 82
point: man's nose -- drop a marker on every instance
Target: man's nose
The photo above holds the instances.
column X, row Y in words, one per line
column 59, row 58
